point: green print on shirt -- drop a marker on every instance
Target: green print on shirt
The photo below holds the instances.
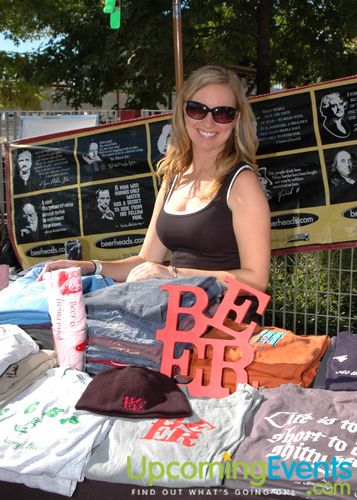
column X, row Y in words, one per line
column 52, row 413
column 17, row 445
column 30, row 424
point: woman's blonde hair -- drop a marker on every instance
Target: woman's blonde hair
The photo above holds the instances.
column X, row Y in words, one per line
column 242, row 144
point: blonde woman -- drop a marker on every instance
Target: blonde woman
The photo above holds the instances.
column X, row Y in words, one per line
column 211, row 211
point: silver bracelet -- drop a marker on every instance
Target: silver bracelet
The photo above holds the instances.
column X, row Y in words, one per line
column 98, row 268
column 174, row 272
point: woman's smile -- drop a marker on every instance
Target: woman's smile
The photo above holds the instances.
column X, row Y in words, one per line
column 206, row 133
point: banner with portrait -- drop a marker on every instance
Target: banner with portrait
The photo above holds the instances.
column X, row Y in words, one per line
column 307, row 161
column 96, row 186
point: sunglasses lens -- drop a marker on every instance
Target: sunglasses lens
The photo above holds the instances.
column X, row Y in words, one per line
column 196, row 110
column 224, row 114
column 221, row 114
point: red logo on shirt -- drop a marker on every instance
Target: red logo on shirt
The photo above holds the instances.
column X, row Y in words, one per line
column 178, row 431
column 132, row 404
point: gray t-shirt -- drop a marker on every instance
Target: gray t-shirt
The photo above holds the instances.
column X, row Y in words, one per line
column 341, row 373
column 182, row 448
column 303, row 433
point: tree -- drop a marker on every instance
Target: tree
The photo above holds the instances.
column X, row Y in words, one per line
column 15, row 91
column 84, row 59
column 313, row 40
column 264, row 55
column 292, row 42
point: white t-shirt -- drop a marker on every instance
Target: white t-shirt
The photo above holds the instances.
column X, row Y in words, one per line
column 15, row 344
column 44, row 441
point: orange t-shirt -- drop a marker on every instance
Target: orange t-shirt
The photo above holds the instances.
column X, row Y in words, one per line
column 280, row 357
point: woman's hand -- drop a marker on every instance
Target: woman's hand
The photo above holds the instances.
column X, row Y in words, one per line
column 86, row 267
column 148, row 270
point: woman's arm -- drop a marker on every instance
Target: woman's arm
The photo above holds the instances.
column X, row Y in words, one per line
column 251, row 223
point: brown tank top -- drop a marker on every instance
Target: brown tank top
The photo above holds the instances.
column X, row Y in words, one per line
column 203, row 239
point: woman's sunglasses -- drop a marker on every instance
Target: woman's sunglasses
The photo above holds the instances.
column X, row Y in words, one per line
column 199, row 111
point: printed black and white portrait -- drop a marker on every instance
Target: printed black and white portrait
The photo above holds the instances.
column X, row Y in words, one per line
column 164, row 139
column 103, row 204
column 160, row 134
column 333, row 108
column 93, row 160
column 111, row 153
column 342, row 169
column 25, row 178
column 29, row 227
column 98, row 209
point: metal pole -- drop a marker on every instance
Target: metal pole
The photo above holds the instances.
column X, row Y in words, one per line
column 177, row 26
column 2, row 196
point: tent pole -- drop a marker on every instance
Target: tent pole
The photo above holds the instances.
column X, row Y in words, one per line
column 177, row 32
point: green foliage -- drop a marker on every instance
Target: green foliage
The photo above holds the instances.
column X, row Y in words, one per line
column 15, row 91
column 320, row 35
column 85, row 59
column 289, row 41
column 314, row 292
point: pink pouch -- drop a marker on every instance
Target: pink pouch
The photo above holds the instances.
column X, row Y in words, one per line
column 68, row 316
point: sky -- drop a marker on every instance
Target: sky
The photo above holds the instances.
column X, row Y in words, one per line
column 7, row 45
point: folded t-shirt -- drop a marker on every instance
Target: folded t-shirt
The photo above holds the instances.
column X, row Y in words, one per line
column 280, row 357
column 15, row 344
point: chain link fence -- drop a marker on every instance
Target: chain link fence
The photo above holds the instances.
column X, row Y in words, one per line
column 314, row 292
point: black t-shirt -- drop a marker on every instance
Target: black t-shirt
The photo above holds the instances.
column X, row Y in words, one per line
column 203, row 239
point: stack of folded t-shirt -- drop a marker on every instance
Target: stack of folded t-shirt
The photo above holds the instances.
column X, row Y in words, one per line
column 280, row 357
column 123, row 319
column 19, row 375
column 341, row 372
column 15, row 344
column 21, row 361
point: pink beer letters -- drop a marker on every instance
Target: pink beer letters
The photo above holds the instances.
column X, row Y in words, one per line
column 170, row 335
